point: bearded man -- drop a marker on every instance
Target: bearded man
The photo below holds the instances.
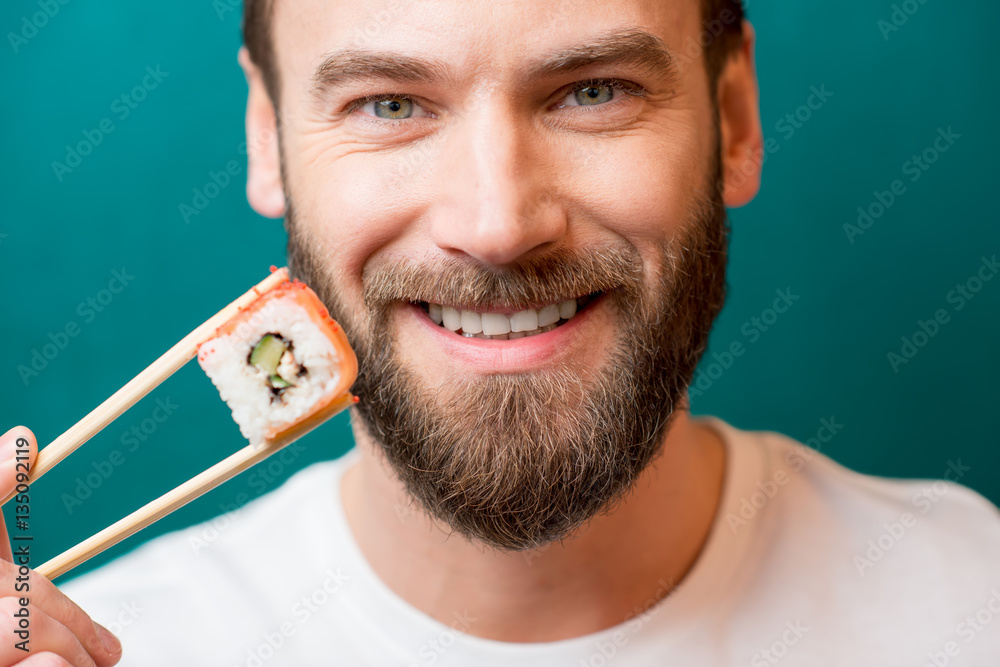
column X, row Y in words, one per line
column 517, row 212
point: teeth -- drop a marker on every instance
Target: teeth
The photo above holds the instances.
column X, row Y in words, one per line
column 526, row 320
column 451, row 318
column 548, row 315
column 434, row 310
column 495, row 324
column 500, row 326
column 567, row 309
column 472, row 322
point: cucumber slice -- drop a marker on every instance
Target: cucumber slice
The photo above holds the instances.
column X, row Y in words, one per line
column 266, row 355
column 279, row 382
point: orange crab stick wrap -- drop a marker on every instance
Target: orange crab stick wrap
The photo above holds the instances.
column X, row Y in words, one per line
column 281, row 364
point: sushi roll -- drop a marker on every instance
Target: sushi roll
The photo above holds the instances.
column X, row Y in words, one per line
column 280, row 362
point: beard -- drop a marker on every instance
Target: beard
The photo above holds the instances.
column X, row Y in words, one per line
column 518, row 460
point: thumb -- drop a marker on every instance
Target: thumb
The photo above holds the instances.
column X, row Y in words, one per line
column 16, row 444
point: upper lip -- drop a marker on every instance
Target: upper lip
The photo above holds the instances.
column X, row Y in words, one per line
column 504, row 309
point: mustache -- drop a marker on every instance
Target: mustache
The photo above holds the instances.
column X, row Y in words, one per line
column 531, row 283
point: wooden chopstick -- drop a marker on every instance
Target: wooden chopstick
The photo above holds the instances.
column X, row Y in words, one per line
column 143, row 383
column 185, row 493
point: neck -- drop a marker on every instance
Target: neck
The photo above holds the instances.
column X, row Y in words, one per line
column 617, row 564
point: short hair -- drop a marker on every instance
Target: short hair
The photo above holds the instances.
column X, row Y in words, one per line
column 721, row 36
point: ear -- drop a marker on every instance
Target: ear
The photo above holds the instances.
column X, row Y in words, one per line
column 264, row 188
column 742, row 139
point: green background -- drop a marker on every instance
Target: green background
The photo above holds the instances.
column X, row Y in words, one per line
column 825, row 357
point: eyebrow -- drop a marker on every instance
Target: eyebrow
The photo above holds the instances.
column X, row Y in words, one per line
column 349, row 66
column 625, row 47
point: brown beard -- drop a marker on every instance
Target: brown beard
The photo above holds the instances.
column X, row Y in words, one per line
column 521, row 459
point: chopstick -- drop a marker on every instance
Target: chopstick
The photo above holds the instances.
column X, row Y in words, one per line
column 143, row 383
column 185, row 493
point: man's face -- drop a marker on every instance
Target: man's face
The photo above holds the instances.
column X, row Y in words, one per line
column 502, row 159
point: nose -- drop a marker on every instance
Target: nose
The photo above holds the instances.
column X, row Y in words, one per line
column 499, row 202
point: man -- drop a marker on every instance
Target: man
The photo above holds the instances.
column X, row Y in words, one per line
column 516, row 210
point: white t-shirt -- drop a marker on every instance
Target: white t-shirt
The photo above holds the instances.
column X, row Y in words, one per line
column 808, row 563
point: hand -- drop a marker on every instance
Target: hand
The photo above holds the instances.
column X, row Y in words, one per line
column 60, row 633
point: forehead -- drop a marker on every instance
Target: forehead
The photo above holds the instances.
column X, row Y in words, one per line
column 474, row 37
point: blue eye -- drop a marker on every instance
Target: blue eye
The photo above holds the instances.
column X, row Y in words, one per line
column 390, row 107
column 598, row 92
column 593, row 95
column 396, row 108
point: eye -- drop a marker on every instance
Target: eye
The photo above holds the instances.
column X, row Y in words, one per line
column 390, row 108
column 592, row 95
column 599, row 92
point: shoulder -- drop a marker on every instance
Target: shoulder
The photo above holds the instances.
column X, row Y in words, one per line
column 934, row 516
column 908, row 557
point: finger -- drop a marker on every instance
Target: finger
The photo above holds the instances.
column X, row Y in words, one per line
column 12, row 444
column 44, row 634
column 103, row 646
column 45, row 659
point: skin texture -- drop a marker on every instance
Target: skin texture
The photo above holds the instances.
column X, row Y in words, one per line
column 497, row 168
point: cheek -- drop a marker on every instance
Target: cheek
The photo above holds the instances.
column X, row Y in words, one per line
column 352, row 201
column 643, row 188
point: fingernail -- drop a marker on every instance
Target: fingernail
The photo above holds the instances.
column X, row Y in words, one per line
column 110, row 642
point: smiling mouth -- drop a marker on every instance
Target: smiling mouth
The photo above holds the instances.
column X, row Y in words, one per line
column 506, row 326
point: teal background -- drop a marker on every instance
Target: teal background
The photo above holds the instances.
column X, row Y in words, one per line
column 825, row 357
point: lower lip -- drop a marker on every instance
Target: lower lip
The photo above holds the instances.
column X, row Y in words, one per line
column 505, row 356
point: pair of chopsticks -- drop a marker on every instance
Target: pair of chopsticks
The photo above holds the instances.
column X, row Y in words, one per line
column 129, row 395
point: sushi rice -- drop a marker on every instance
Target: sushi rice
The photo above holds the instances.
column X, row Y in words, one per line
column 310, row 365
